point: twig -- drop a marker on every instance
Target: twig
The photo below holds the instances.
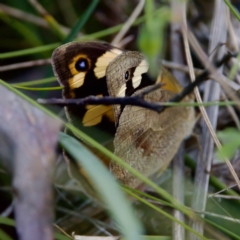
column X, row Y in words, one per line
column 201, row 78
column 176, row 66
column 179, row 67
column 93, row 100
column 135, row 100
column 132, row 100
column 217, row 76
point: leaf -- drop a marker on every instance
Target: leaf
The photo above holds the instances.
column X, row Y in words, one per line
column 230, row 138
column 106, row 185
column 151, row 35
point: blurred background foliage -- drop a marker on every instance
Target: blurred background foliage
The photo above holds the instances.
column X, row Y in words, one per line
column 22, row 27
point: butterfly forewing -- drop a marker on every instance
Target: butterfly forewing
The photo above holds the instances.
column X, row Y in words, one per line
column 80, row 68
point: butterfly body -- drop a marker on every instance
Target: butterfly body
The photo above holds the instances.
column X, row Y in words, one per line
column 145, row 139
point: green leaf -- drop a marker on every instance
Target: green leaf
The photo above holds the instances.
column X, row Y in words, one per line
column 151, row 35
column 81, row 22
column 230, row 138
column 60, row 236
column 106, row 185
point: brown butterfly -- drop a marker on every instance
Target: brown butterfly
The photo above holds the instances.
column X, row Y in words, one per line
column 143, row 138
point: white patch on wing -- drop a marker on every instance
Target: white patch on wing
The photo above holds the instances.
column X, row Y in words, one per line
column 121, row 92
column 95, row 114
column 137, row 75
column 77, row 80
column 136, row 79
column 104, row 60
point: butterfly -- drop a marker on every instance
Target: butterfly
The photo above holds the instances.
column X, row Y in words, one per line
column 145, row 139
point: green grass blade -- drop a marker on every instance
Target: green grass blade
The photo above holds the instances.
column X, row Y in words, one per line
column 232, row 9
column 35, row 82
column 81, row 22
column 22, row 29
column 7, row 221
column 4, row 236
column 29, row 51
column 106, row 186
column 60, row 236
column 167, row 215
column 39, row 88
column 95, row 35
column 227, row 232
column 55, row 27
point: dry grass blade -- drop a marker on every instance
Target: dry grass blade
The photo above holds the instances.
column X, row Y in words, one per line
column 232, row 112
column 180, row 67
column 178, row 232
column 217, row 76
column 208, row 65
column 212, row 92
column 21, row 15
column 232, row 35
column 235, row 86
column 224, row 196
column 128, row 23
column 78, row 237
column 25, row 64
column 192, row 76
column 49, row 19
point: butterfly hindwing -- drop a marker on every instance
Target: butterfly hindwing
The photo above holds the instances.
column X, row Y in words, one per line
column 145, row 139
